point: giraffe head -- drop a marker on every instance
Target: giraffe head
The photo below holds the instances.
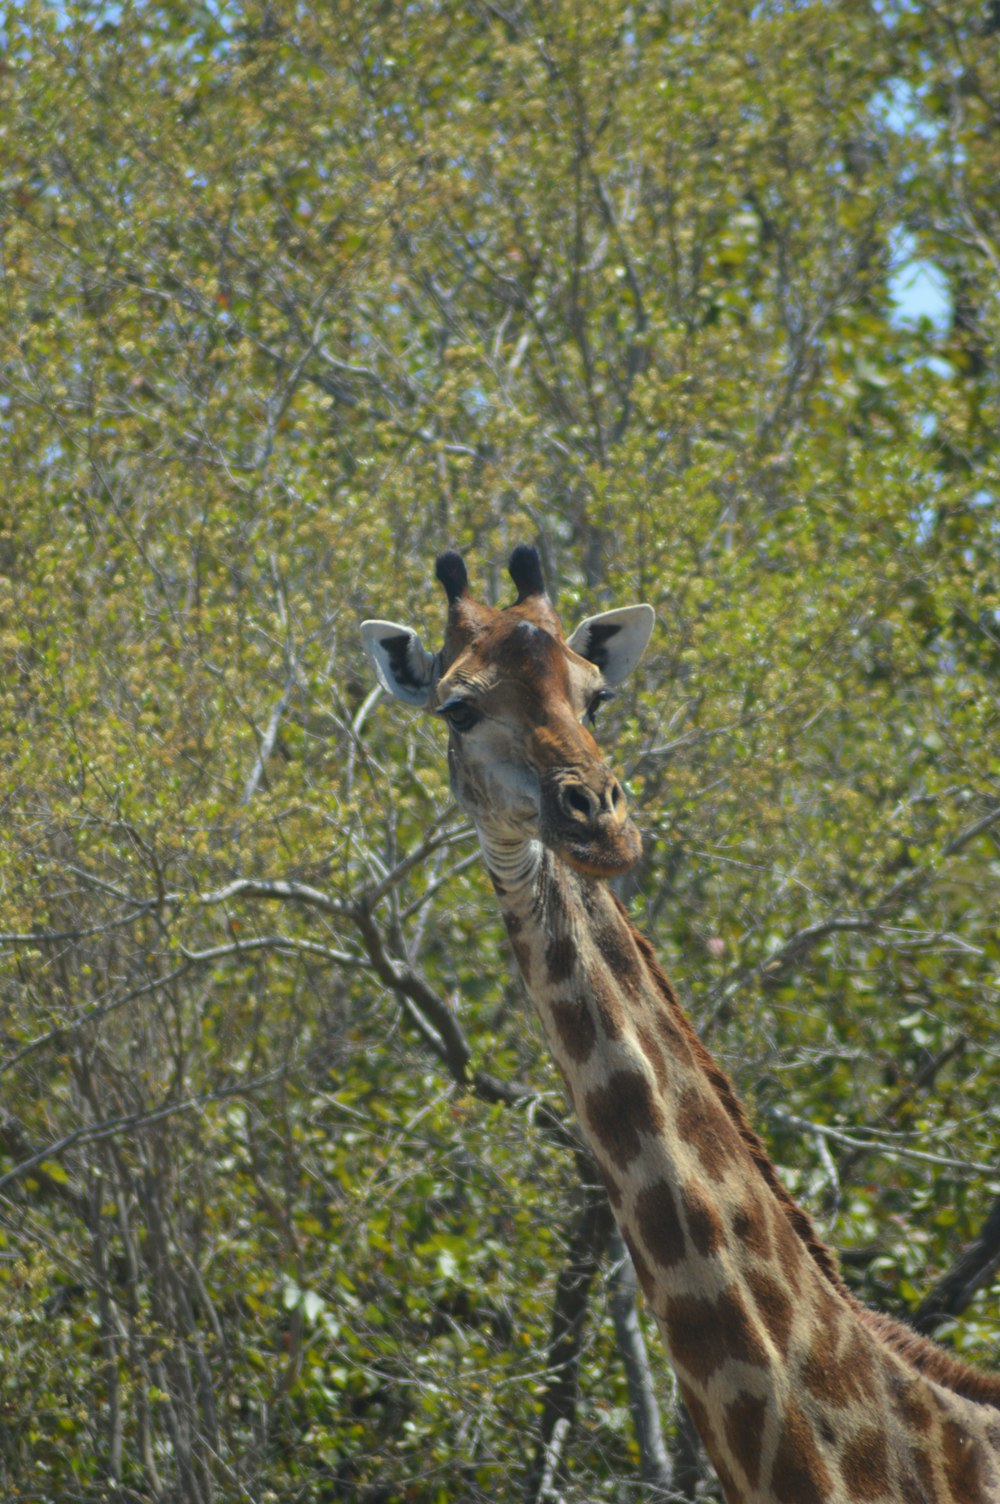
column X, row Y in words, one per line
column 516, row 696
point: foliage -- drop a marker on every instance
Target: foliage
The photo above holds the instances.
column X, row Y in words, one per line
column 292, row 298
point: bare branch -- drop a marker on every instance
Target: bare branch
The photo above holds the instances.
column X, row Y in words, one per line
column 277, row 891
column 974, row 1268
column 879, row 1145
column 587, row 1243
column 55, row 937
column 131, row 1122
column 274, row 942
column 268, row 740
column 98, row 1010
column 925, row 1076
column 15, row 1140
column 432, row 842
column 654, row 1458
column 547, row 1492
column 785, row 955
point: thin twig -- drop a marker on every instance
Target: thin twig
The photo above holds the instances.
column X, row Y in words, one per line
column 879, row 1146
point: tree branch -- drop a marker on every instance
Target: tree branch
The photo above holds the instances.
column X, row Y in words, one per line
column 587, row 1244
column 655, row 1463
column 269, row 738
column 974, row 1268
column 273, row 942
column 129, row 1122
column 878, row 1146
column 798, row 945
column 925, row 1076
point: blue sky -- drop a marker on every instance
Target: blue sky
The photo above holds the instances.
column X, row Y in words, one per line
column 918, row 288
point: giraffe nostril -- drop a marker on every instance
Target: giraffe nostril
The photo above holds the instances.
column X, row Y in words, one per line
column 618, row 801
column 577, row 801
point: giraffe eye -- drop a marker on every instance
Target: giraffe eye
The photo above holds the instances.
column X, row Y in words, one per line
column 595, row 703
column 460, row 714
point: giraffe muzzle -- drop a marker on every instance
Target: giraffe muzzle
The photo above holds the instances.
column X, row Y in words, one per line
column 587, row 822
column 579, row 802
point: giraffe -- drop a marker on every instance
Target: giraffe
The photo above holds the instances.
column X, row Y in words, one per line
column 800, row 1394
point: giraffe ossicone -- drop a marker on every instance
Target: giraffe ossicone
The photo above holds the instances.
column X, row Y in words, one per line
column 799, row 1393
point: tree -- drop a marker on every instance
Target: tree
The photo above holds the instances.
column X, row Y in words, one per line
column 292, row 299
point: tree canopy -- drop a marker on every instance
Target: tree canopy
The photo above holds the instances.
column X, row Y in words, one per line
column 293, row 297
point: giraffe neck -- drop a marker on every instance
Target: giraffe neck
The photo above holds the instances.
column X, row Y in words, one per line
column 797, row 1398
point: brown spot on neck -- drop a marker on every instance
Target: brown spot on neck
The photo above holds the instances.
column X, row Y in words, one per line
column 923, row 1487
column 642, row 1270
column 798, row 1474
column 560, row 959
column 909, row 1398
column 751, row 1227
column 864, row 1463
column 654, row 1055
column 844, row 1380
column 774, row 1306
column 658, row 1223
column 618, row 950
column 964, row 1463
column 575, row 1027
column 703, row 1221
column 620, row 1113
column 744, row 1430
column 709, row 1133
column 704, row 1335
column 609, row 1007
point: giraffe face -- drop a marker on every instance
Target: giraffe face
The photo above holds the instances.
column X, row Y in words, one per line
column 515, row 696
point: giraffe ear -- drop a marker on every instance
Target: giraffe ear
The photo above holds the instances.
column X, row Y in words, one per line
column 402, row 664
column 614, row 641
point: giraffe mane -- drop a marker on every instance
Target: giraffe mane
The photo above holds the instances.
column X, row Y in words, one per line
column 920, row 1352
